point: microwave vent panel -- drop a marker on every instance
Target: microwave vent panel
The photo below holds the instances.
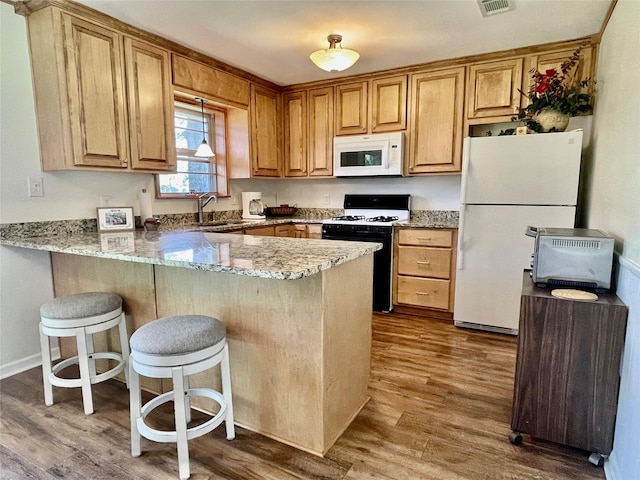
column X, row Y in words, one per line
column 590, row 244
column 493, row 7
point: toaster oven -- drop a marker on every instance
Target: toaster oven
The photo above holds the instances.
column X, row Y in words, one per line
column 572, row 257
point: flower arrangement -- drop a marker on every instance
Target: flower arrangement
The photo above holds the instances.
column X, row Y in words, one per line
column 558, row 91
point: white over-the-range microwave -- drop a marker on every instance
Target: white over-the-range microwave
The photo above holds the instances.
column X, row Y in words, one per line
column 368, row 155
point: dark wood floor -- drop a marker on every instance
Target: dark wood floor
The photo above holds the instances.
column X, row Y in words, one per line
column 440, row 409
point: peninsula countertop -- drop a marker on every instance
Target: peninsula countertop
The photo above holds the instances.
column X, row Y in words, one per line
column 255, row 256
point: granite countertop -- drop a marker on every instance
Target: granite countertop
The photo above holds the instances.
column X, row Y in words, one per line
column 256, row 256
column 203, row 247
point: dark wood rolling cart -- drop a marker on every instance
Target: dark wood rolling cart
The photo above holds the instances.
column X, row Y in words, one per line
column 568, row 369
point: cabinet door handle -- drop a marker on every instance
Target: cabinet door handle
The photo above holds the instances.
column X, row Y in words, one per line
column 423, row 262
column 426, row 239
column 422, row 293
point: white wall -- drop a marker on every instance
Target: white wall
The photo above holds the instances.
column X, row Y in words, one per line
column 613, row 205
column 25, row 276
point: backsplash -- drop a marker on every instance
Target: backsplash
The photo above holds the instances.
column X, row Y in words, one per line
column 88, row 225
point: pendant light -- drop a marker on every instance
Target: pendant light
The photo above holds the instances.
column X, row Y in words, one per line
column 204, row 150
column 334, row 59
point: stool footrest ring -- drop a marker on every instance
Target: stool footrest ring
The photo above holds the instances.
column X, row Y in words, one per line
column 170, row 436
column 77, row 382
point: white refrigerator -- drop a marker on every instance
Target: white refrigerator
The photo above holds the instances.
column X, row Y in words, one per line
column 508, row 183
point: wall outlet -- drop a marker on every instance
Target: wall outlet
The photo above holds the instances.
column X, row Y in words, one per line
column 105, row 200
column 235, row 199
column 326, row 200
column 35, row 187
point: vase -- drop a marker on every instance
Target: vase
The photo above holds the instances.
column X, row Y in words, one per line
column 552, row 120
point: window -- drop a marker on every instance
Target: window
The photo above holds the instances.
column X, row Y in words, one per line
column 196, row 175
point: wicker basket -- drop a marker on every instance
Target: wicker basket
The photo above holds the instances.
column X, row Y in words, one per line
column 280, row 211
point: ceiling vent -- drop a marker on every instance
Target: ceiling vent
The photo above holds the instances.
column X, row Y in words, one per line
column 493, row 7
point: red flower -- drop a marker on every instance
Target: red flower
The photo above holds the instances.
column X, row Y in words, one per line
column 549, row 73
column 542, row 87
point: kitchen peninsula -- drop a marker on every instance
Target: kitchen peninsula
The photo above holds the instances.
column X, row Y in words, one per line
column 297, row 313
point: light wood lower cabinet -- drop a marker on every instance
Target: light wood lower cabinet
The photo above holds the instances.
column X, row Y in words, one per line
column 424, row 273
column 292, row 230
column 267, row 231
column 314, row 230
column 286, row 230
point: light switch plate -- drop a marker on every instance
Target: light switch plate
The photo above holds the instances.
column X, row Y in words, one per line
column 35, row 187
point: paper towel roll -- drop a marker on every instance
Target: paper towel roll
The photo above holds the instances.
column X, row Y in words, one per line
column 144, row 198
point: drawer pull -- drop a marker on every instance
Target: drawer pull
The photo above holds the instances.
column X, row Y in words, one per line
column 422, row 293
column 424, row 238
column 423, row 262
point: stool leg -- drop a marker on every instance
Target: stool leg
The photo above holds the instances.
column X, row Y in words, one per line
column 225, row 373
column 124, row 347
column 187, row 400
column 45, row 348
column 181, row 422
column 85, row 370
column 90, row 352
column 135, row 402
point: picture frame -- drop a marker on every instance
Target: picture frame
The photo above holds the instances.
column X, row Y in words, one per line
column 115, row 219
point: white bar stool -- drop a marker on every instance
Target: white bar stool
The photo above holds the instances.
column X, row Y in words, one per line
column 176, row 347
column 81, row 315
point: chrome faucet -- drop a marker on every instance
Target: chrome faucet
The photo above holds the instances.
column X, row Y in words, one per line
column 202, row 201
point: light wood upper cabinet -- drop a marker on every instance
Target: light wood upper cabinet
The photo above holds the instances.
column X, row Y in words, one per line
column 308, row 132
column 435, row 131
column 151, row 111
column 95, row 110
column 351, row 108
column 321, row 132
column 94, row 95
column 493, row 88
column 211, row 82
column 553, row 60
column 295, row 110
column 375, row 106
column 388, row 112
column 265, row 134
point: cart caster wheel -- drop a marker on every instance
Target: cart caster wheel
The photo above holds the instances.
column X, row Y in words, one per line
column 597, row 459
column 515, row 438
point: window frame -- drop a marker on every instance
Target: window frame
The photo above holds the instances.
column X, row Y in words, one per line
column 217, row 138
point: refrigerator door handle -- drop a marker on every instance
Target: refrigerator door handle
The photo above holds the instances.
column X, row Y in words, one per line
column 463, row 207
column 531, row 231
column 465, row 169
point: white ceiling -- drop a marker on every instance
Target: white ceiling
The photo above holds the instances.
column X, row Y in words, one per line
column 273, row 38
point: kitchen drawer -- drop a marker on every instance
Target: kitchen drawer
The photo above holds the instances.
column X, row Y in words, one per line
column 425, row 237
column 424, row 262
column 423, row 292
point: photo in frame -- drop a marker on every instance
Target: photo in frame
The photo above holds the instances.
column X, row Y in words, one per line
column 111, row 219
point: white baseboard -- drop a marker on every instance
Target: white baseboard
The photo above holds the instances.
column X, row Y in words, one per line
column 26, row 363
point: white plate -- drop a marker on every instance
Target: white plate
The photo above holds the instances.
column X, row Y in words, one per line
column 574, row 295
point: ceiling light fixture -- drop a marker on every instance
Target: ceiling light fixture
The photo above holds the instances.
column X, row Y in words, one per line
column 204, row 150
column 334, row 59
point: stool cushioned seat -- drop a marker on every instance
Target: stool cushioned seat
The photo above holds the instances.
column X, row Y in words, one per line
column 81, row 305
column 178, row 335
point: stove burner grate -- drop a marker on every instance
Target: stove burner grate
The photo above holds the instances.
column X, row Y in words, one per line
column 382, row 218
column 349, row 218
